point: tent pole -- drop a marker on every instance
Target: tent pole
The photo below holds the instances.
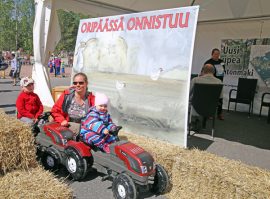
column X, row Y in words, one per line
column 192, row 3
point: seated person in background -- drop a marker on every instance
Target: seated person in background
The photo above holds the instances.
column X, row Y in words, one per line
column 97, row 123
column 28, row 104
column 73, row 104
column 207, row 77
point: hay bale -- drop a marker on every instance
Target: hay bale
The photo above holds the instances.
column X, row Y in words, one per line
column 32, row 184
column 17, row 149
column 199, row 174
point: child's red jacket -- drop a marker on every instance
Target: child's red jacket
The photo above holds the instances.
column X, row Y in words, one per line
column 28, row 105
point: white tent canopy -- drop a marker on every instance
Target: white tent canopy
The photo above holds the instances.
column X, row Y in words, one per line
column 210, row 9
column 218, row 19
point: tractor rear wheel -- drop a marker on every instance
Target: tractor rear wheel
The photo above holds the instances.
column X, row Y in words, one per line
column 161, row 181
column 49, row 162
column 50, row 159
column 75, row 164
column 123, row 187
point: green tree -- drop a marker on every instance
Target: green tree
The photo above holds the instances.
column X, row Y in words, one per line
column 6, row 25
column 26, row 14
column 16, row 24
column 69, row 23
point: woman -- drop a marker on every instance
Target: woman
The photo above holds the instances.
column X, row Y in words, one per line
column 73, row 104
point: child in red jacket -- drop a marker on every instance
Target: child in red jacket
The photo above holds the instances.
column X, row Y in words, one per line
column 28, row 104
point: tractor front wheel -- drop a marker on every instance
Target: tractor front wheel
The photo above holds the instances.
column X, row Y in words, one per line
column 161, row 181
column 123, row 187
column 75, row 164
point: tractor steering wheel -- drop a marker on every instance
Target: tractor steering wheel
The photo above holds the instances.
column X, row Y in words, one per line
column 114, row 131
column 45, row 117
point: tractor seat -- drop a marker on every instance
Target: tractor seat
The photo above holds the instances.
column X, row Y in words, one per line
column 79, row 138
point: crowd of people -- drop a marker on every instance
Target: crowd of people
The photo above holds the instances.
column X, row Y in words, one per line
column 10, row 59
column 57, row 66
column 16, row 59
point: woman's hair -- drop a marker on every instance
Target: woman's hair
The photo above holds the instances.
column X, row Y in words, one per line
column 83, row 75
column 214, row 50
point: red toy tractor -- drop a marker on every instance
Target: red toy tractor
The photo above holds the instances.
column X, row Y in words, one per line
column 130, row 167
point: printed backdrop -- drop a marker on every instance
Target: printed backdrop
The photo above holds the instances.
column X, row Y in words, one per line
column 142, row 61
column 248, row 58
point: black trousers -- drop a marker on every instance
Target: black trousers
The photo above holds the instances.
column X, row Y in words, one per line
column 219, row 108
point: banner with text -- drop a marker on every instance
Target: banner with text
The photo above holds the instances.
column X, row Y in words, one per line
column 142, row 61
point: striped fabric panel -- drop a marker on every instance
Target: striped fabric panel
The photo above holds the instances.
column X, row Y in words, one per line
column 94, row 122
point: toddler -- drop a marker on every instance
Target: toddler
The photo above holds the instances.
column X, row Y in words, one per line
column 28, row 104
column 97, row 123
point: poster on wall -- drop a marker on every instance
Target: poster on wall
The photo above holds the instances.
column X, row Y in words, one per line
column 142, row 61
column 248, row 58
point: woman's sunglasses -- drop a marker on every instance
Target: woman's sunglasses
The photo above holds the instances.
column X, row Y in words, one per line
column 80, row 83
